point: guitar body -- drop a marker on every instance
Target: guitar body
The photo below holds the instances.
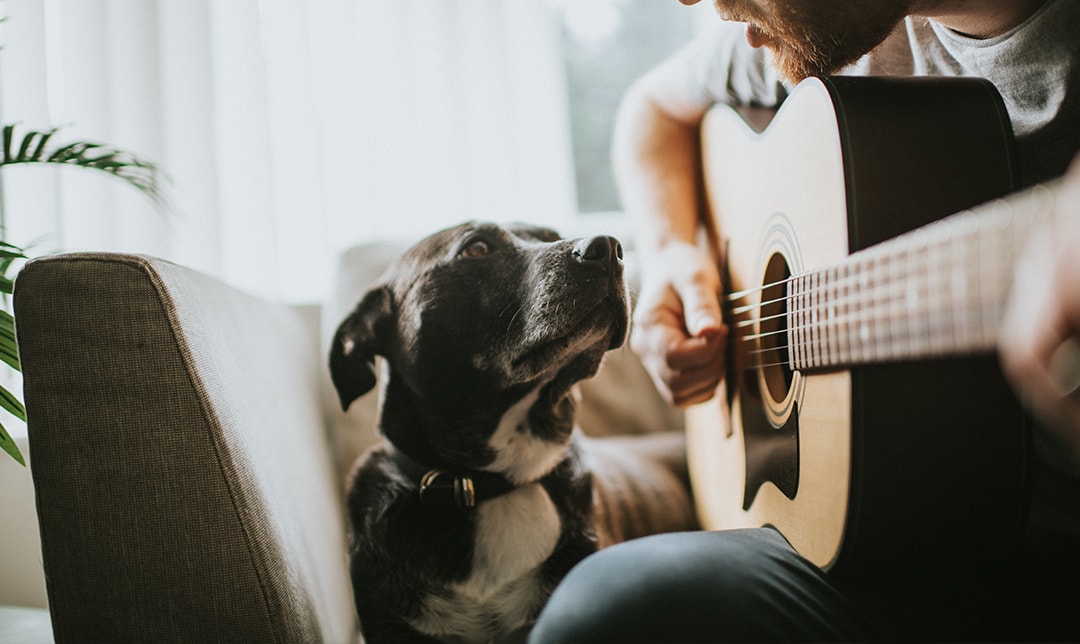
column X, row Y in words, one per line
column 881, row 466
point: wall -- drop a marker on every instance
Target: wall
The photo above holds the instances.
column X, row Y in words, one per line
column 22, row 580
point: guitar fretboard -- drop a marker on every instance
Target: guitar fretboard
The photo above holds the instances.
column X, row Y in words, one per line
column 939, row 290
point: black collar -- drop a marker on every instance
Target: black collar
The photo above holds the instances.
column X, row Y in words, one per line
column 452, row 487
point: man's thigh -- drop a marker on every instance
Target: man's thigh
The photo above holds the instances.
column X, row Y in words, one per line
column 739, row 585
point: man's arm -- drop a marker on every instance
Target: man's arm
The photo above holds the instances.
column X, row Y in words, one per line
column 678, row 329
column 656, row 154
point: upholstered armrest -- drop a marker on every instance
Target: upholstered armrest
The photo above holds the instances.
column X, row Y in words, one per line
column 184, row 486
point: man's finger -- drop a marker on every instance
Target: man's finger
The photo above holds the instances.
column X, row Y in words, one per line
column 701, row 310
column 685, row 354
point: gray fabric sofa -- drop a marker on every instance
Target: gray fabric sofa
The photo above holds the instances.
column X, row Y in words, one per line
column 188, row 455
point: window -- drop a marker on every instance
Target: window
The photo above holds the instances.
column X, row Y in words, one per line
column 606, row 45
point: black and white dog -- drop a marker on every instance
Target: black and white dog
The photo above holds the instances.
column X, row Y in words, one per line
column 483, row 495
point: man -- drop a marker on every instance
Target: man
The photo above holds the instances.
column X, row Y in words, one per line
column 749, row 585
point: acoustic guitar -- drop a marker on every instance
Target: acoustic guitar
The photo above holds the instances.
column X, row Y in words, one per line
column 863, row 412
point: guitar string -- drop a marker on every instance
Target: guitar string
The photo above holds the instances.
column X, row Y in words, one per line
column 884, row 255
column 844, row 279
column 885, row 300
column 963, row 228
column 894, row 345
column 888, row 297
column 843, row 283
column 881, row 310
column 884, row 308
column 885, row 332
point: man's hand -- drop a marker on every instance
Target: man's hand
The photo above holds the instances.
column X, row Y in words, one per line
column 1039, row 341
column 678, row 330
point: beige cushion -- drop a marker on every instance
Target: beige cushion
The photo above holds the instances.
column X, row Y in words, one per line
column 184, row 486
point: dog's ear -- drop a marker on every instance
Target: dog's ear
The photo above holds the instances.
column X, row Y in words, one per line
column 534, row 233
column 352, row 355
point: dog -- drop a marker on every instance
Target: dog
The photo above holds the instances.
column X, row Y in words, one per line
column 482, row 494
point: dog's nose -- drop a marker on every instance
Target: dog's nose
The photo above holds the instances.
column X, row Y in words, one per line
column 603, row 249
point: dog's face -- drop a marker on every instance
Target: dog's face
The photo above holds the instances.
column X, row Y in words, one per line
column 473, row 319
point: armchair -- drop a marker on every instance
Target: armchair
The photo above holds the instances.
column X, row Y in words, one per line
column 185, row 486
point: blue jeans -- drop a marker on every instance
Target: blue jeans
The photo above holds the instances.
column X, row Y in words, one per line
column 751, row 586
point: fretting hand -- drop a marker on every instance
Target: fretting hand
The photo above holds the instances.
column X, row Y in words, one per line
column 1040, row 336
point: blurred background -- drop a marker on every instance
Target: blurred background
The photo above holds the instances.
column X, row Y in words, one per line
column 290, row 130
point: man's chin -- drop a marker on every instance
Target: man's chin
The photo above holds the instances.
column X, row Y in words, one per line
column 757, row 37
column 791, row 68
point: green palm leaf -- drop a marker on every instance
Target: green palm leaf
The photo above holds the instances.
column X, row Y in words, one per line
column 9, row 348
column 8, row 444
column 12, row 404
column 33, row 147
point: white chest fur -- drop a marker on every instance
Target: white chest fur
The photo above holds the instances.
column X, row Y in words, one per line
column 515, row 534
column 519, row 455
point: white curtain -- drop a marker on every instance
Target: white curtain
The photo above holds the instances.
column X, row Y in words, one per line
column 289, row 129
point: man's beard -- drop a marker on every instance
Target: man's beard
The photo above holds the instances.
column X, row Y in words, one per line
column 818, row 40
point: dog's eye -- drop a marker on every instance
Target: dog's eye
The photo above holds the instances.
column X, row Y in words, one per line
column 476, row 248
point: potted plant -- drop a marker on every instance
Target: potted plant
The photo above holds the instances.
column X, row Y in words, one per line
column 36, row 147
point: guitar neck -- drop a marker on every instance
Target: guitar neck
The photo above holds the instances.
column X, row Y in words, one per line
column 935, row 291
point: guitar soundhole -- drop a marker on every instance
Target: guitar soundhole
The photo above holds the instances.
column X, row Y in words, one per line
column 769, row 409
column 773, row 345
